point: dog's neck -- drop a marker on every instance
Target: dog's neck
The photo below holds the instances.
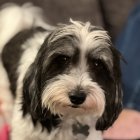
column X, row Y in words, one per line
column 77, row 126
column 74, row 128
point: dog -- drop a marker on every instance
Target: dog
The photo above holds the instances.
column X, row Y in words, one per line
column 65, row 80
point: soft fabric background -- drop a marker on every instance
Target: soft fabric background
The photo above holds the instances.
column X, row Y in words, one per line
column 111, row 14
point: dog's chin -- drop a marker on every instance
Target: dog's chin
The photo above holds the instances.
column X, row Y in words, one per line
column 74, row 111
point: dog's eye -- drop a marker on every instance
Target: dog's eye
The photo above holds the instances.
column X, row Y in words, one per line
column 99, row 70
column 98, row 64
column 62, row 59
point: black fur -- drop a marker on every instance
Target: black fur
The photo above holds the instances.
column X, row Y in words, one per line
column 113, row 94
column 56, row 58
column 63, row 58
column 109, row 78
column 12, row 53
column 32, row 101
column 40, row 73
column 78, row 128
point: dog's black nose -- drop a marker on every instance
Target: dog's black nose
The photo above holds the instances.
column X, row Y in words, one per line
column 77, row 98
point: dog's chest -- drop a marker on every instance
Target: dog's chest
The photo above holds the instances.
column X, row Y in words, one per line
column 73, row 130
column 76, row 130
column 68, row 129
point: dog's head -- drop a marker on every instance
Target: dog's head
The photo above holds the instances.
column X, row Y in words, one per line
column 76, row 72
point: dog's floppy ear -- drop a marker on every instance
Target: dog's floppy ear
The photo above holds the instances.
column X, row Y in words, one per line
column 32, row 83
column 113, row 100
column 31, row 93
column 32, row 87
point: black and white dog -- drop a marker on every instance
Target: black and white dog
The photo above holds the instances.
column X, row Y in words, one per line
column 66, row 80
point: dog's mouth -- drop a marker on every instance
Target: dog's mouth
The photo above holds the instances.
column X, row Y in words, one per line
column 77, row 107
column 74, row 106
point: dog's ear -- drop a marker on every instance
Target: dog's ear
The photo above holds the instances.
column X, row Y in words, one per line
column 32, row 87
column 32, row 84
column 113, row 100
column 31, row 92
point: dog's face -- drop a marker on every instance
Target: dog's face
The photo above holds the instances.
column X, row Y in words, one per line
column 77, row 72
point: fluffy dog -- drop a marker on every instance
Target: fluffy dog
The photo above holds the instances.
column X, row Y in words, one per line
column 66, row 80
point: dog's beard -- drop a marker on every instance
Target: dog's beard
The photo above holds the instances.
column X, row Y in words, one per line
column 55, row 97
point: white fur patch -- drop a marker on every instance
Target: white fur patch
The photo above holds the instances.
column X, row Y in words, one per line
column 31, row 48
column 14, row 19
column 86, row 38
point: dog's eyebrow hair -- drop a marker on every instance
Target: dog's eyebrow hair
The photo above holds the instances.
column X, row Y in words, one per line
column 64, row 42
column 63, row 50
column 100, row 49
column 103, row 53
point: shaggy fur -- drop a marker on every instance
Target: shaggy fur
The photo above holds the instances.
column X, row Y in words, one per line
column 66, row 80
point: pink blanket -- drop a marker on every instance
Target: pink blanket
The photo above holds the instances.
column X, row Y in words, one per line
column 4, row 132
